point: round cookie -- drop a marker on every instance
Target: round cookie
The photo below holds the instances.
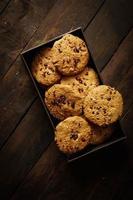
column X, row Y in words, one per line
column 103, row 105
column 72, row 134
column 100, row 134
column 62, row 101
column 70, row 55
column 83, row 82
column 43, row 68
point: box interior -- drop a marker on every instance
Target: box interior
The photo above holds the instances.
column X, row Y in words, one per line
column 28, row 57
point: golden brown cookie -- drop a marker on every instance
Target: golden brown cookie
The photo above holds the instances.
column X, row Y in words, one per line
column 103, row 105
column 72, row 134
column 83, row 82
column 70, row 55
column 43, row 68
column 62, row 101
column 100, row 134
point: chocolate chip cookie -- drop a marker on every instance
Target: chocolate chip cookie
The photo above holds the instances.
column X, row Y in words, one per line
column 72, row 134
column 43, row 68
column 83, row 82
column 103, row 105
column 70, row 55
column 62, row 101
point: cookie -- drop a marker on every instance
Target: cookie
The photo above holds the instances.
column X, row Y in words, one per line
column 70, row 55
column 83, row 82
column 103, row 105
column 62, row 101
column 100, row 134
column 43, row 68
column 72, row 134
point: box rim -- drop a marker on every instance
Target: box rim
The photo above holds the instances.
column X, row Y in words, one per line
column 108, row 144
column 50, row 40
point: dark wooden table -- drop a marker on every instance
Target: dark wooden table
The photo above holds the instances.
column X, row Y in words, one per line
column 30, row 167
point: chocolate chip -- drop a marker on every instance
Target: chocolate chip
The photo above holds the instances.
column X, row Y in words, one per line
column 104, row 110
column 52, row 69
column 109, row 98
column 54, row 103
column 82, row 48
column 62, row 98
column 83, row 139
column 73, row 105
column 80, row 90
column 75, row 49
column 54, row 62
column 68, row 61
column 79, row 80
column 59, row 100
column 68, row 102
column 79, row 125
column 44, row 74
column 59, row 51
column 76, row 61
column 74, row 135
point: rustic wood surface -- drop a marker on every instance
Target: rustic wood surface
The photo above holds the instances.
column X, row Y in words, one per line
column 31, row 167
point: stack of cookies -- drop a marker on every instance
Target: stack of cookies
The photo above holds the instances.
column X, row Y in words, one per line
column 74, row 95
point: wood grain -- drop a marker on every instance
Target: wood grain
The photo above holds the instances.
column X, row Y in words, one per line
column 23, row 149
column 17, row 25
column 119, row 71
column 15, row 105
column 3, row 5
column 30, row 170
column 52, row 173
column 117, row 183
column 108, row 29
column 17, row 94
column 72, row 14
column 21, row 84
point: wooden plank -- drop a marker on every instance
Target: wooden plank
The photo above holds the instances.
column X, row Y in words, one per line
column 119, row 71
column 35, row 187
column 108, row 29
column 125, row 188
column 20, row 93
column 126, row 89
column 17, row 25
column 127, row 126
column 3, row 5
column 72, row 14
column 23, row 149
column 118, row 179
column 17, row 93
column 16, row 85
column 108, row 181
column 53, row 178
